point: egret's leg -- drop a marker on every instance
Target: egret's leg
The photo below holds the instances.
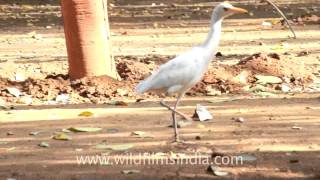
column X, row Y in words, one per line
column 175, row 124
column 163, row 104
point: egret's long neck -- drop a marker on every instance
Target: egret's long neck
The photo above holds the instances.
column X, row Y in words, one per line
column 212, row 42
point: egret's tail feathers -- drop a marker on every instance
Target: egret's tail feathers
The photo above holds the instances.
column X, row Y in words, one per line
column 141, row 87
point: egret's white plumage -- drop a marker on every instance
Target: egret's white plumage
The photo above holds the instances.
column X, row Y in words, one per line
column 183, row 72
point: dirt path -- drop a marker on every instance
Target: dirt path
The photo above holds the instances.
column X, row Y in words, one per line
column 268, row 133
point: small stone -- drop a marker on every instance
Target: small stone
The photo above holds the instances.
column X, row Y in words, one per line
column 121, row 92
column 198, row 138
column 303, row 53
column 44, row 144
column 212, row 91
column 238, row 119
column 296, row 128
column 10, row 133
column 26, row 100
column 219, row 54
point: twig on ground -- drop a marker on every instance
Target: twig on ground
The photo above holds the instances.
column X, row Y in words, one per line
column 284, row 17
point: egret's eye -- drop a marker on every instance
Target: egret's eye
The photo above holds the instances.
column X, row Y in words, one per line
column 225, row 9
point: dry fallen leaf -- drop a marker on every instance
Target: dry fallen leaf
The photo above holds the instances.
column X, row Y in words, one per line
column 141, row 134
column 85, row 129
column 62, row 137
column 115, row 147
column 44, row 144
column 86, row 114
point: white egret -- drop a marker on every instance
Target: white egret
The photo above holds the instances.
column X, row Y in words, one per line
column 181, row 73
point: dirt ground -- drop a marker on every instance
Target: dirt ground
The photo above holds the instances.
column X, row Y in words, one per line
column 280, row 127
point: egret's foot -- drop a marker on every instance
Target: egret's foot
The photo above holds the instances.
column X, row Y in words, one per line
column 177, row 141
column 186, row 117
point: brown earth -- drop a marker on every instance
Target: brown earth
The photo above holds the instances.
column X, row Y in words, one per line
column 226, row 78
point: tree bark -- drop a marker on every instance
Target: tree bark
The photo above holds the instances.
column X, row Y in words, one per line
column 87, row 36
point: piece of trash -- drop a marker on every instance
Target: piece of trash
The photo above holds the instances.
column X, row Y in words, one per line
column 62, row 137
column 130, row 171
column 115, row 147
column 285, row 88
column 19, row 77
column 86, row 114
column 266, row 24
column 85, row 129
column 63, row 98
column 202, row 113
column 14, row 91
column 44, row 144
column 217, row 171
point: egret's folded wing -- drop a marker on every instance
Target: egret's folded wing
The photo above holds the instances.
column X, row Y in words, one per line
column 178, row 71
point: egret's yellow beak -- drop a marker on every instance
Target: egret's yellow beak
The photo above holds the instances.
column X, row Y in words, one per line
column 238, row 10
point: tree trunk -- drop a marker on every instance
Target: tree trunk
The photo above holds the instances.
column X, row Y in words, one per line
column 87, row 35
